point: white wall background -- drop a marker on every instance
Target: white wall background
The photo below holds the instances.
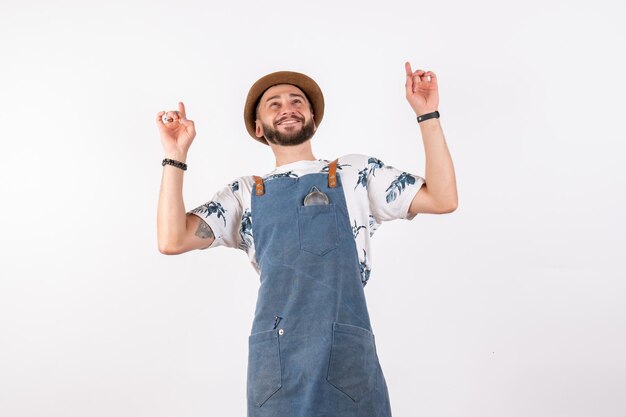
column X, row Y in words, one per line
column 513, row 305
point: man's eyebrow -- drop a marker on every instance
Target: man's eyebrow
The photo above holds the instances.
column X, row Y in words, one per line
column 290, row 94
column 296, row 95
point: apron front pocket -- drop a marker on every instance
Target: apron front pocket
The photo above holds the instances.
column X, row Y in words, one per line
column 353, row 362
column 264, row 373
column 317, row 226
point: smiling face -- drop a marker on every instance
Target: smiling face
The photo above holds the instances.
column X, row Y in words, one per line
column 284, row 116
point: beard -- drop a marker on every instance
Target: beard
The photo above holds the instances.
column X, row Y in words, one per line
column 289, row 139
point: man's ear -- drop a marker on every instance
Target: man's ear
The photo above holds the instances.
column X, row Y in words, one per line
column 258, row 131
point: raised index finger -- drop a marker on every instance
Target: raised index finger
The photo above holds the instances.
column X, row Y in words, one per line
column 407, row 67
column 181, row 108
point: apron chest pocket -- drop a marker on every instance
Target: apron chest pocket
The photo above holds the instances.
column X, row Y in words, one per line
column 317, row 226
column 353, row 362
column 264, row 373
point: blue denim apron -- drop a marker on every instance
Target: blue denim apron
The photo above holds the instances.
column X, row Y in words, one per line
column 311, row 350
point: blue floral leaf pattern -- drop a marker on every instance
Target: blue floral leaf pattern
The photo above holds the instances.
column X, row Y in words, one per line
column 373, row 225
column 372, row 164
column 234, row 186
column 365, row 270
column 288, row 174
column 362, row 180
column 356, row 229
column 245, row 230
column 339, row 166
column 212, row 207
column 398, row 185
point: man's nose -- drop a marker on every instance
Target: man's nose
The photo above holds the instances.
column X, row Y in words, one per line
column 288, row 108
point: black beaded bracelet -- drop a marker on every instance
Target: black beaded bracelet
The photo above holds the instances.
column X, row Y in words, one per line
column 177, row 164
column 427, row 116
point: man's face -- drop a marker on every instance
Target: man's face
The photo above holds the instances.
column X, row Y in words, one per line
column 284, row 116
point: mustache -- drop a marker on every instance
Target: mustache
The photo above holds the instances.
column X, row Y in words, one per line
column 300, row 119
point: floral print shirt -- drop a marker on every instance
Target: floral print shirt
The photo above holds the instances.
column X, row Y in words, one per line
column 374, row 193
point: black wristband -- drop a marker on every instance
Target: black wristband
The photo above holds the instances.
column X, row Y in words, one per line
column 427, row 116
column 177, row 164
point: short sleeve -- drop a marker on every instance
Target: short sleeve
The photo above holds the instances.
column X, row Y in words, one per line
column 390, row 190
column 223, row 214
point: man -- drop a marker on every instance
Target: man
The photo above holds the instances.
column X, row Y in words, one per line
column 306, row 227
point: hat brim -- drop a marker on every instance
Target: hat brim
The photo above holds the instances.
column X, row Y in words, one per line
column 303, row 82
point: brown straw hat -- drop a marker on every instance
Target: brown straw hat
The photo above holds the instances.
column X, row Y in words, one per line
column 303, row 82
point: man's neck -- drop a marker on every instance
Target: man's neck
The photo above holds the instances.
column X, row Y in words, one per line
column 288, row 154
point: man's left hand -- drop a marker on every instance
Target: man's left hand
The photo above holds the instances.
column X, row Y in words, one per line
column 421, row 90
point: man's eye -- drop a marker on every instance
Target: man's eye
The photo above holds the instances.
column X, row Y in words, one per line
column 297, row 101
column 273, row 104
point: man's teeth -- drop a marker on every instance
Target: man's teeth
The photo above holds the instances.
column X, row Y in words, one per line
column 288, row 122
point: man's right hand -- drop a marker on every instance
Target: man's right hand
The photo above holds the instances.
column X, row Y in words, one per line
column 177, row 133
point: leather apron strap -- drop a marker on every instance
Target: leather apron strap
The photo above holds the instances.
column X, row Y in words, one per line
column 332, row 174
column 260, row 188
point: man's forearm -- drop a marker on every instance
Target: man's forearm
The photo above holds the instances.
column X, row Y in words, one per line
column 171, row 218
column 440, row 178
